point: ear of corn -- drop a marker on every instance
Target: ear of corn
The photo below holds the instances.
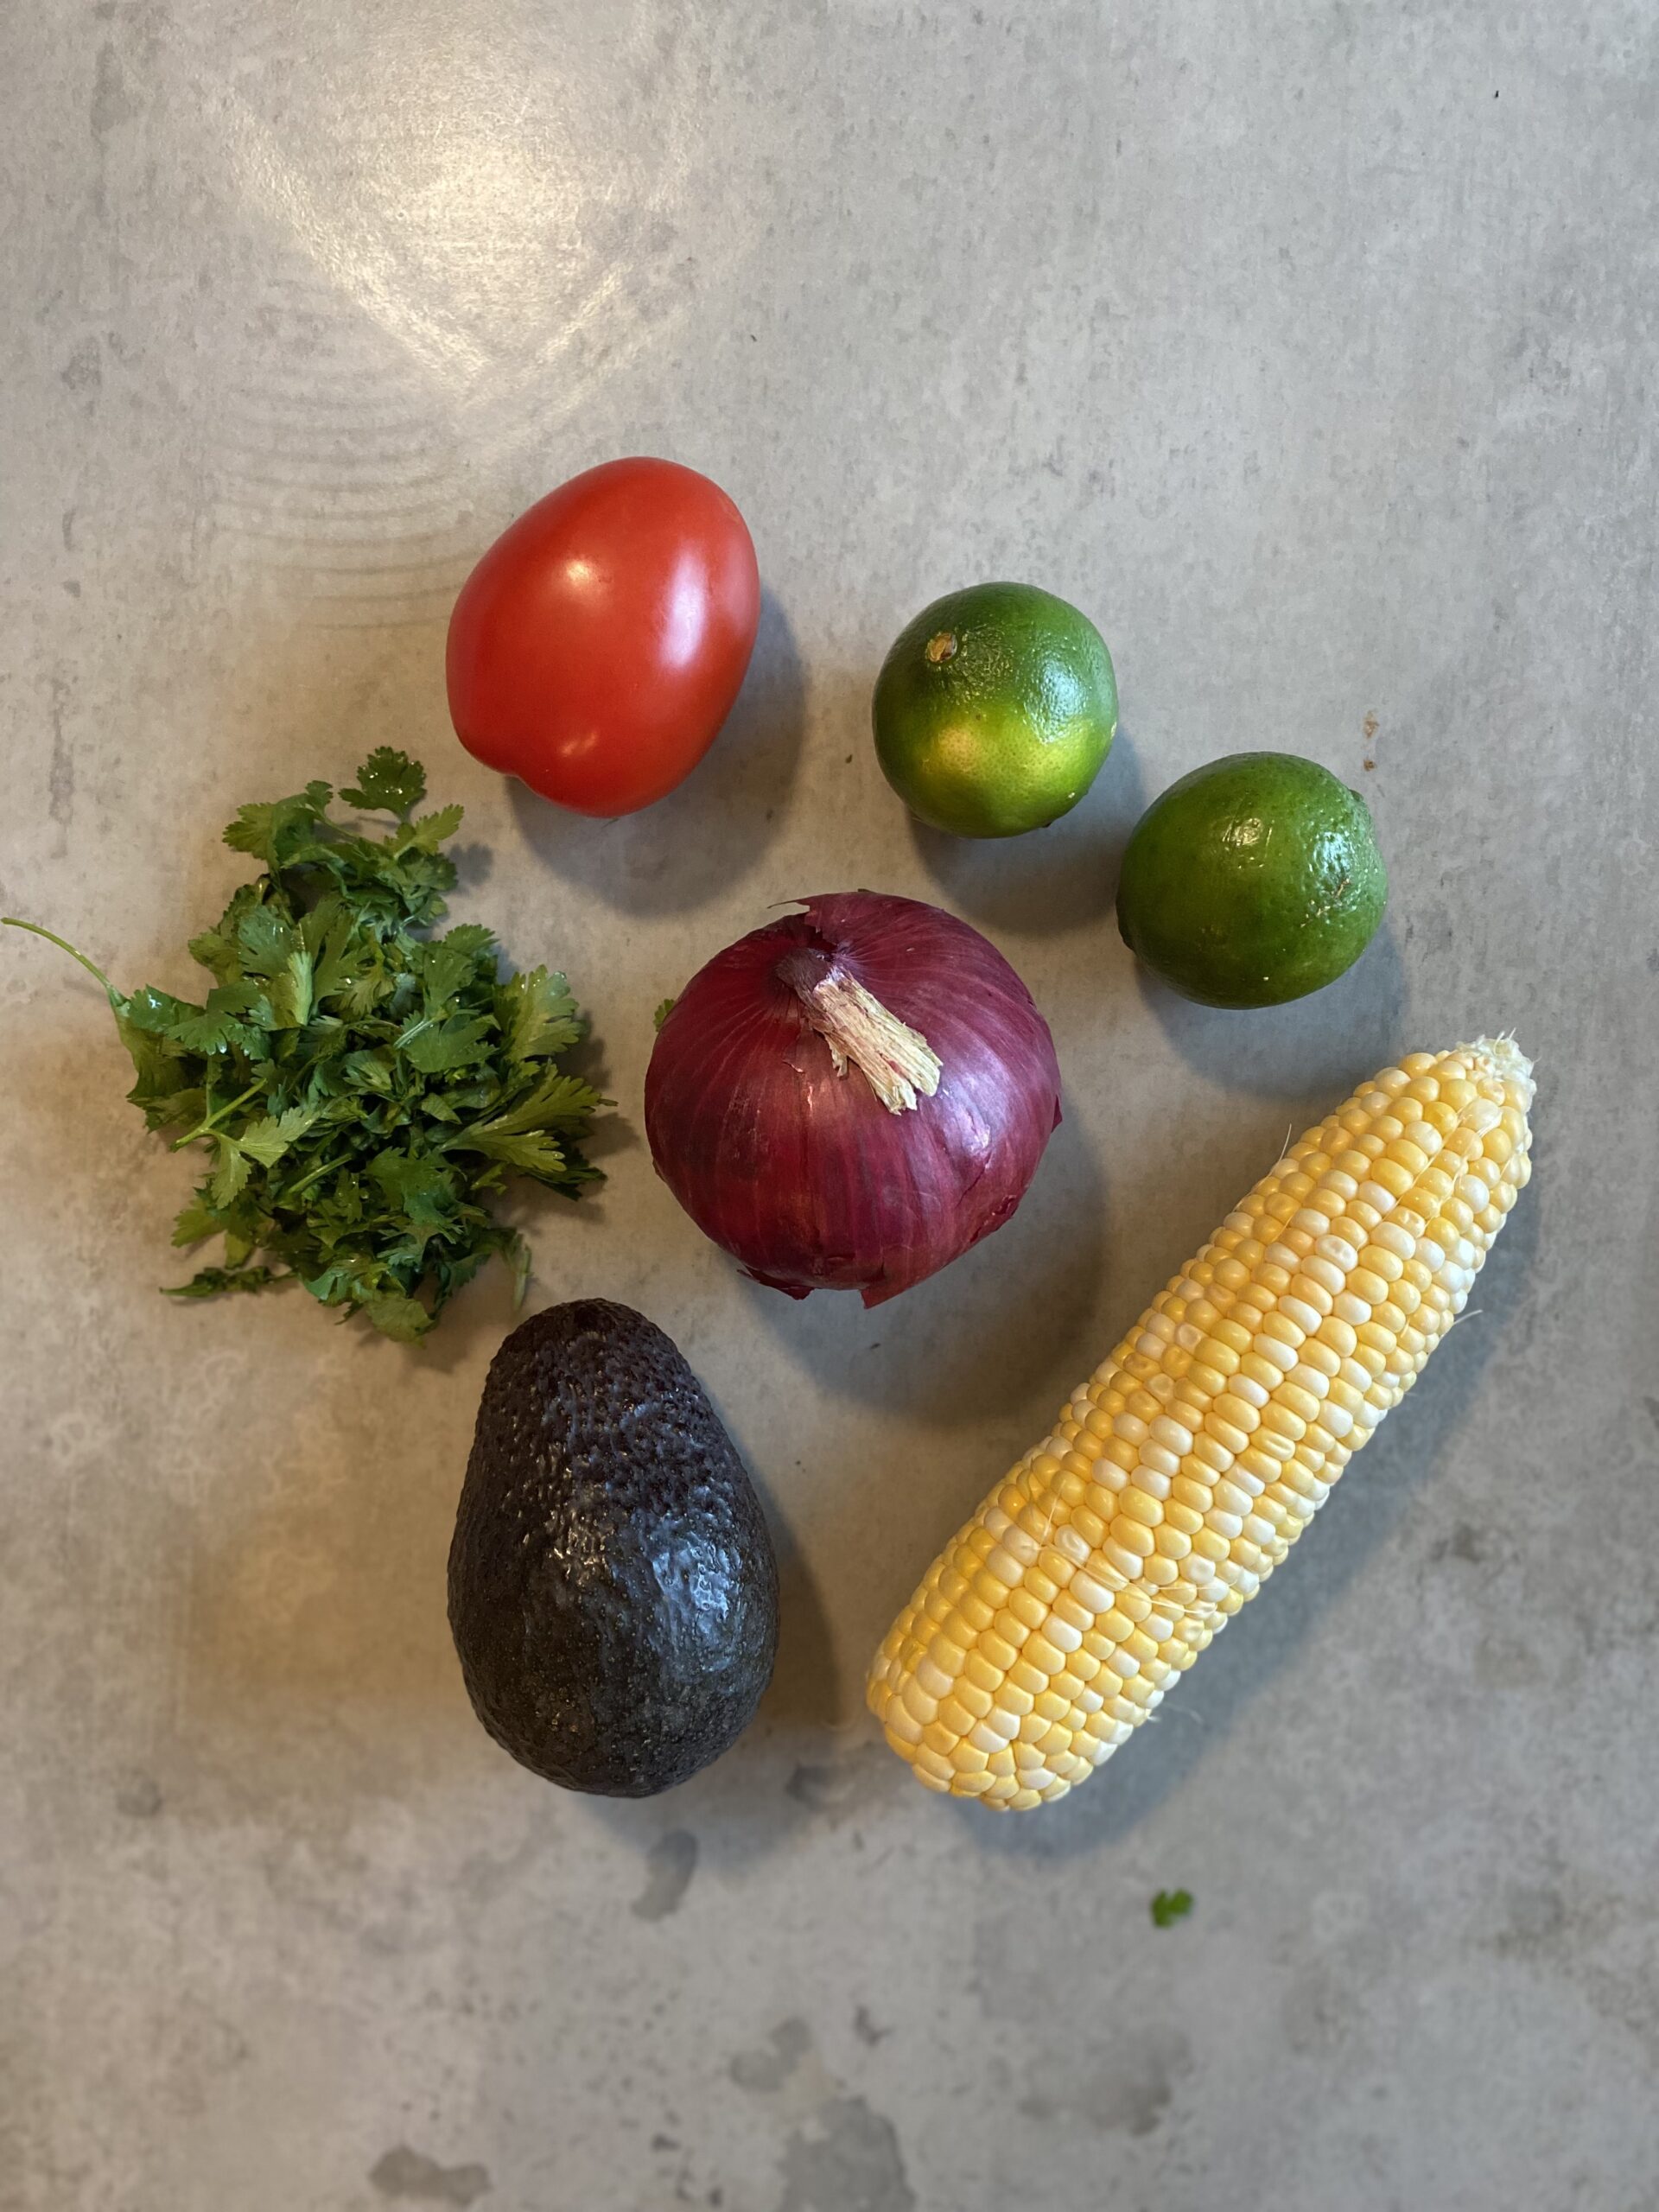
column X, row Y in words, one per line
column 1181, row 1473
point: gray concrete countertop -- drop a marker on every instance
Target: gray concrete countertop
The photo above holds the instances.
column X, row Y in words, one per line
column 1310, row 349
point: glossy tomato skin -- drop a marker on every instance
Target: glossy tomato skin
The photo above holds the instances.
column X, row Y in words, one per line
column 599, row 644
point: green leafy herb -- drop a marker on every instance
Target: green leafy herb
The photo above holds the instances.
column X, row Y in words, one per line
column 663, row 1012
column 1169, row 1906
column 362, row 1088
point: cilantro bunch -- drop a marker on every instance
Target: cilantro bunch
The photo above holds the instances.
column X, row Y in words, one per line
column 364, row 1087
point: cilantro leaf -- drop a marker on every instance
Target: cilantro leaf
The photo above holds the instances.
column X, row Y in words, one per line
column 558, row 1101
column 420, row 1187
column 219, row 1025
column 537, row 1015
column 665, row 1008
column 429, row 832
column 533, row 1153
column 231, row 1175
column 1169, row 1906
column 389, row 782
column 361, row 1089
column 195, row 1222
column 434, row 1048
column 405, row 1320
column 444, row 969
column 207, row 1282
column 273, row 830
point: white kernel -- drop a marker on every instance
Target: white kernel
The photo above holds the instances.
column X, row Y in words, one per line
column 1069, row 1544
column 1189, row 1336
column 1117, row 1555
column 1323, row 1276
column 1023, row 1547
column 1171, row 1434
column 1339, row 1252
column 1130, row 1427
column 1315, row 1224
column 1379, row 1200
column 1253, row 1394
column 933, row 1679
column 994, row 1519
column 1393, row 1238
column 1061, row 1634
column 1089, row 1592
column 1161, row 1461
column 1282, row 1355
column 1297, row 1310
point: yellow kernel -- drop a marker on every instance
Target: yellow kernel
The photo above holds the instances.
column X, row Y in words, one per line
column 973, row 1700
column 1134, row 1535
column 1302, row 1402
column 1028, row 1610
column 1123, row 1556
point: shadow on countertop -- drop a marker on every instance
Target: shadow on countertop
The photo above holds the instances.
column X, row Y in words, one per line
column 1048, row 881
column 1330, row 1038
column 960, row 1349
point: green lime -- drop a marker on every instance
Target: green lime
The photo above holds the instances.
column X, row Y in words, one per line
column 1252, row 880
column 995, row 709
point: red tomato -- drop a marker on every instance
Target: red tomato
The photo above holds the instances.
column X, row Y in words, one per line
column 597, row 647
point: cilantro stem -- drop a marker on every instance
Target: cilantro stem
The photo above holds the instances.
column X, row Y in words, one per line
column 204, row 1127
column 11, row 922
column 323, row 1167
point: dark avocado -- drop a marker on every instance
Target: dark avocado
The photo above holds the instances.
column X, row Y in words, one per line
column 613, row 1592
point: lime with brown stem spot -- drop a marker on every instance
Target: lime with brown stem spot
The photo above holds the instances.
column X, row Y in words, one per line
column 995, row 710
column 1253, row 880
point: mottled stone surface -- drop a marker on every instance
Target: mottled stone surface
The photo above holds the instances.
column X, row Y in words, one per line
column 1310, row 350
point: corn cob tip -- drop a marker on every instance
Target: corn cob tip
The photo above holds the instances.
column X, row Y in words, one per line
column 1506, row 1059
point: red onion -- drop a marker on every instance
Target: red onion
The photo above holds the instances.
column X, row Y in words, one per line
column 849, row 1098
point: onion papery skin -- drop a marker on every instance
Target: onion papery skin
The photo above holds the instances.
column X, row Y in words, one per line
column 802, row 1174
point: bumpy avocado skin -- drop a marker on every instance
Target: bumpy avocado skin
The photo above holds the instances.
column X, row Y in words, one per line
column 612, row 1589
